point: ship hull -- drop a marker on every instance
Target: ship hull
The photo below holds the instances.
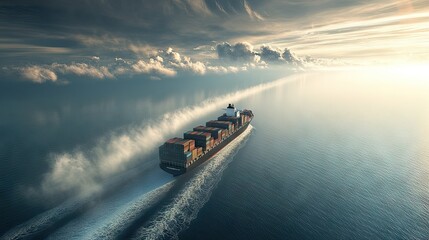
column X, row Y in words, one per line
column 176, row 171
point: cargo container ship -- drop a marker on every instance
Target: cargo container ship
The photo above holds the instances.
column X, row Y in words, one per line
column 179, row 155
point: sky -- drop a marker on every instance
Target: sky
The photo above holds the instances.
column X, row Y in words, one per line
column 48, row 40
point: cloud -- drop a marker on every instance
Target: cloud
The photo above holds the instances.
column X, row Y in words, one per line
column 243, row 51
column 217, row 69
column 346, row 29
column 220, row 8
column 269, row 54
column 18, row 49
column 227, row 69
column 184, row 63
column 121, row 70
column 38, row 74
column 165, row 63
column 173, row 56
column 154, row 65
column 174, row 61
column 357, row 31
column 142, row 49
column 238, row 51
column 83, row 69
column 233, row 69
column 118, row 59
column 252, row 14
column 199, row 6
column 288, row 56
column 44, row 73
column 196, row 67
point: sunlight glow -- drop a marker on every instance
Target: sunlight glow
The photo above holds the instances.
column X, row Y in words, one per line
column 395, row 32
column 419, row 71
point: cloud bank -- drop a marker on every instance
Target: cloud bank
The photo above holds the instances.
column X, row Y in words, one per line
column 166, row 63
column 38, row 74
column 71, row 29
column 157, row 64
column 154, row 65
column 83, row 69
column 49, row 73
column 268, row 54
column 64, row 30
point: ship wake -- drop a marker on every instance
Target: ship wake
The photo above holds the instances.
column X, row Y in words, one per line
column 84, row 171
column 96, row 217
column 87, row 172
column 110, row 222
column 176, row 216
column 43, row 221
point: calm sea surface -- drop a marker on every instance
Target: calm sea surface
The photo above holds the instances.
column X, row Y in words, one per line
column 331, row 155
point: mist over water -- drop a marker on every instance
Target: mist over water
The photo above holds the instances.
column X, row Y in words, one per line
column 331, row 155
column 123, row 154
column 84, row 171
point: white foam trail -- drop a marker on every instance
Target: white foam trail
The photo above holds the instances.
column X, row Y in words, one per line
column 184, row 208
column 31, row 228
column 129, row 213
column 138, row 196
column 84, row 172
column 42, row 221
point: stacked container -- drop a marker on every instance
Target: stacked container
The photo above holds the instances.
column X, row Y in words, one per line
column 202, row 139
column 177, row 151
column 234, row 120
column 224, row 133
column 216, row 133
column 180, row 152
column 221, row 124
column 248, row 114
column 199, row 151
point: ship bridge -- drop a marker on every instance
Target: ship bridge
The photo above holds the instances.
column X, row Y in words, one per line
column 231, row 111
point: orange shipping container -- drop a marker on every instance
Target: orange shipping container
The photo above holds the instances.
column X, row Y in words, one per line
column 192, row 145
column 195, row 153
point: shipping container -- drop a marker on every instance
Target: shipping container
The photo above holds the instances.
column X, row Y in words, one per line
column 179, row 144
column 196, row 135
column 220, row 124
column 173, row 140
column 216, row 133
column 200, row 138
column 177, row 151
column 195, row 153
column 233, row 120
column 188, row 155
column 183, row 152
column 224, row 133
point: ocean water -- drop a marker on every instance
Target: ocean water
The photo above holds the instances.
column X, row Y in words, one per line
column 330, row 155
column 331, row 158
